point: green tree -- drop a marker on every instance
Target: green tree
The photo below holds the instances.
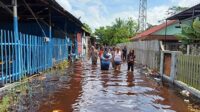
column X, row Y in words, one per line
column 172, row 11
column 190, row 36
column 120, row 31
column 175, row 9
column 190, row 33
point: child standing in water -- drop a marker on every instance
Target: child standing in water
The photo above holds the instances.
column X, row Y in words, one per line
column 130, row 60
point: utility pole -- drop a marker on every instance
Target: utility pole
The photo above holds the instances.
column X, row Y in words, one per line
column 142, row 19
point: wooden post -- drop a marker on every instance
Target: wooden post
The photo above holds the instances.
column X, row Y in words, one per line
column 188, row 49
column 162, row 63
column 173, row 66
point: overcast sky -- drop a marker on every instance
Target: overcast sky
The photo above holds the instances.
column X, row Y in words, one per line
column 98, row 13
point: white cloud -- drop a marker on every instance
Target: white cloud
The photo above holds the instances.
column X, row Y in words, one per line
column 65, row 4
column 96, row 13
column 126, row 14
column 83, row 1
column 78, row 13
column 186, row 3
column 156, row 14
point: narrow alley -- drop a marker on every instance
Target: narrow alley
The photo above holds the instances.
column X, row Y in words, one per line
column 93, row 90
column 100, row 56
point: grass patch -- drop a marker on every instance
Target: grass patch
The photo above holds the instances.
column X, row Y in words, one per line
column 11, row 95
column 62, row 65
column 5, row 103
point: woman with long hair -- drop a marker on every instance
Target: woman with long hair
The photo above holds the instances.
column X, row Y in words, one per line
column 118, row 59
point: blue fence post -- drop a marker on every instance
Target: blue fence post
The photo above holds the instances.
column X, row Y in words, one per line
column 13, row 55
column 67, row 46
column 2, row 56
column 27, row 53
column 16, row 35
column 6, row 57
column 50, row 36
column 9, row 56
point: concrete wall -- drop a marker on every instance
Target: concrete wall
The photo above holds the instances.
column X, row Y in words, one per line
column 146, row 52
column 173, row 72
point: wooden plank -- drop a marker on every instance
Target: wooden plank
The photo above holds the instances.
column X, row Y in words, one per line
column 185, row 72
column 196, row 72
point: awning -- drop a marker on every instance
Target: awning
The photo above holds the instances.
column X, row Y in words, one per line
column 41, row 10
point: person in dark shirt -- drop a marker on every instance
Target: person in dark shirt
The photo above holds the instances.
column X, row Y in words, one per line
column 124, row 50
column 130, row 60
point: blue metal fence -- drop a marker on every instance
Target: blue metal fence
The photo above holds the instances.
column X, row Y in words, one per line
column 28, row 55
column 60, row 50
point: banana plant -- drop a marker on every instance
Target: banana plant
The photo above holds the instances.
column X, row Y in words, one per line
column 196, row 25
column 190, row 33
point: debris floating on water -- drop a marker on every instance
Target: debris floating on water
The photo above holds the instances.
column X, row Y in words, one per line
column 185, row 93
column 186, row 101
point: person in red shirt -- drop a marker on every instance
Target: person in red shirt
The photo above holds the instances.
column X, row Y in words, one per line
column 101, row 52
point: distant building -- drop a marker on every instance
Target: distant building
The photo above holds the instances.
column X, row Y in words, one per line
column 164, row 33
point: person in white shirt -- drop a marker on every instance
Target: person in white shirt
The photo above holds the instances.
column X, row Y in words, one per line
column 118, row 59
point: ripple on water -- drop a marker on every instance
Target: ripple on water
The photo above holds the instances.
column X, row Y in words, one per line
column 93, row 90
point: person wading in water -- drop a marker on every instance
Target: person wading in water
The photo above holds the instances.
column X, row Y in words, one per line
column 105, row 59
column 124, row 53
column 93, row 55
column 118, row 59
column 130, row 60
column 113, row 55
column 100, row 53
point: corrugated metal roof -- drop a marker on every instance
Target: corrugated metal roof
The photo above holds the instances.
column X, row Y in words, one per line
column 188, row 13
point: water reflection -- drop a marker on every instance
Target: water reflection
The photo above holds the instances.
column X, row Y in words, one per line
column 93, row 90
column 64, row 99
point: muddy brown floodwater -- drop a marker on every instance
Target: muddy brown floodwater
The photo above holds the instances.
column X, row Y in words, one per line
column 93, row 90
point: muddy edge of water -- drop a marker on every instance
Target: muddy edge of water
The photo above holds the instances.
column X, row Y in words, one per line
column 49, row 91
column 74, row 98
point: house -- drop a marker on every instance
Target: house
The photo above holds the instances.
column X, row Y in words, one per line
column 35, row 35
column 187, row 17
column 85, row 42
column 164, row 33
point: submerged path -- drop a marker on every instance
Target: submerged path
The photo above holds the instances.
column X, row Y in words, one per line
column 93, row 90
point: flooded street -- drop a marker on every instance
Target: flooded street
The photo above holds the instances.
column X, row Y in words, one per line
column 93, row 90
